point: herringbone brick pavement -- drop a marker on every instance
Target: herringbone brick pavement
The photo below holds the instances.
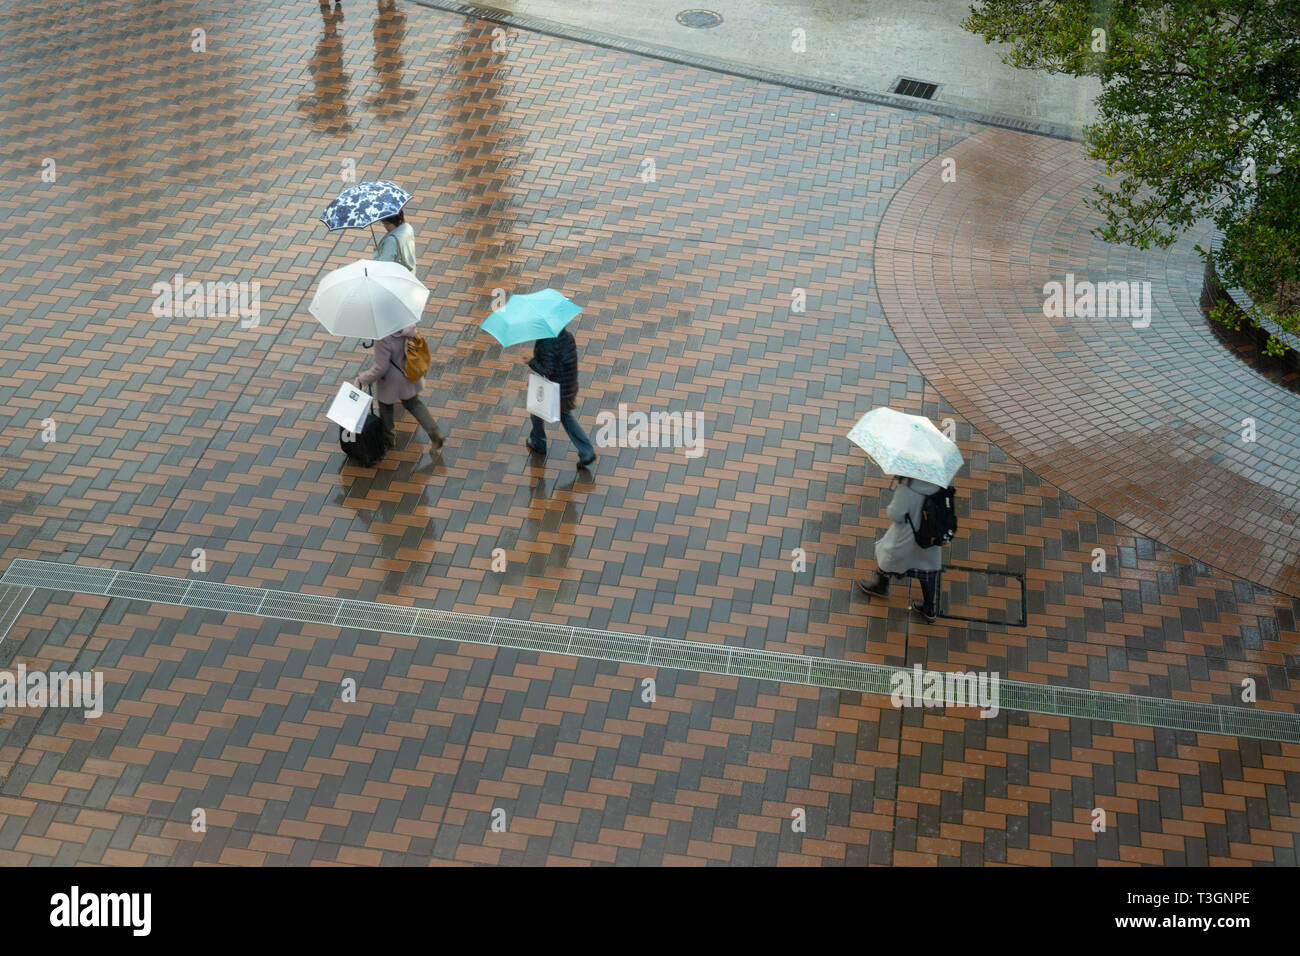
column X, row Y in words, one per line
column 530, row 170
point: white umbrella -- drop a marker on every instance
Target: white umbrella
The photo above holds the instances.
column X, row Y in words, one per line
column 907, row 445
column 369, row 299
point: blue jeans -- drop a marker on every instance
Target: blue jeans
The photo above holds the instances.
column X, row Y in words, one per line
column 586, row 451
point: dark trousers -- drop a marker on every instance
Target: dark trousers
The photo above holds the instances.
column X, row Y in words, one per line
column 930, row 583
column 421, row 413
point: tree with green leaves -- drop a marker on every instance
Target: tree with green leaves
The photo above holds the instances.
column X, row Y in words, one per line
column 1199, row 116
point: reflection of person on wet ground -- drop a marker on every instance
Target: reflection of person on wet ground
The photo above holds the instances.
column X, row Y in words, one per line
column 331, row 18
column 389, row 32
column 327, row 102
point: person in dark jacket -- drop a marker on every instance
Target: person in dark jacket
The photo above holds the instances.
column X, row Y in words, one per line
column 557, row 360
column 898, row 554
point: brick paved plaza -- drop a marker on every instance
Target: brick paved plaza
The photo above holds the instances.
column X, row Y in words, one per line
column 174, row 434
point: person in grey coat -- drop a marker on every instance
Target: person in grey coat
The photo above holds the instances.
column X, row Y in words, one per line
column 898, row 554
column 388, row 375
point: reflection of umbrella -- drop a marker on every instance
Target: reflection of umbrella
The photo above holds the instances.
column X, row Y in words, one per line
column 539, row 315
column 365, row 203
column 907, row 445
column 369, row 299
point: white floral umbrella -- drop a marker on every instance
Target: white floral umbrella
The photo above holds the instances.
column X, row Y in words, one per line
column 369, row 299
column 907, row 445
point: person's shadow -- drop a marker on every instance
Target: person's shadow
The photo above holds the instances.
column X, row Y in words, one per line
column 326, row 106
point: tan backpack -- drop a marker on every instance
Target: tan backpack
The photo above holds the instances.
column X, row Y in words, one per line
column 418, row 358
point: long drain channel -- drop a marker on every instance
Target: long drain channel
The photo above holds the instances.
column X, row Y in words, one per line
column 25, row 575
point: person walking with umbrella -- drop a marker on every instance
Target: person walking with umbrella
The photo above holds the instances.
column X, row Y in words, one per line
column 920, row 511
column 399, row 244
column 542, row 317
column 898, row 554
column 382, row 301
column 557, row 359
column 392, row 384
column 375, row 201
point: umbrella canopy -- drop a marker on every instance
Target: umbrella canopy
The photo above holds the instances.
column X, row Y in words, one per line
column 368, row 299
column 907, row 445
column 538, row 315
column 365, row 203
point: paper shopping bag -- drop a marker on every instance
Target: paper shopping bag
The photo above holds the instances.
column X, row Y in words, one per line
column 543, row 398
column 349, row 408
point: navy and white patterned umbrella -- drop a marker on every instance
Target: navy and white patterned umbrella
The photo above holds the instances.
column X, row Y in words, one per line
column 364, row 204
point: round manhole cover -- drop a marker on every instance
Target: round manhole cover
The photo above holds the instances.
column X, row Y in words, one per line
column 699, row 18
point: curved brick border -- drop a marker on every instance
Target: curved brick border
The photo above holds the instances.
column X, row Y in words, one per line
column 1144, row 425
column 1214, row 291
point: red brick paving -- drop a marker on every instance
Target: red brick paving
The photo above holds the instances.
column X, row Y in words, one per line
column 191, row 432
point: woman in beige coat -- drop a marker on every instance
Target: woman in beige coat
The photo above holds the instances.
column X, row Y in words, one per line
column 388, row 375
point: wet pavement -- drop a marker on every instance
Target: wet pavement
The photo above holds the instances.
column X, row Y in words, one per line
column 1158, row 425
column 530, row 170
column 864, row 47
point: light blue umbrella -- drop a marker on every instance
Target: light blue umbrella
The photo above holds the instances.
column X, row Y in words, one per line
column 538, row 315
column 907, row 445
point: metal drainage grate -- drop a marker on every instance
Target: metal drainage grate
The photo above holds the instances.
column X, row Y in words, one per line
column 699, row 19
column 13, row 598
column 917, row 88
column 860, row 676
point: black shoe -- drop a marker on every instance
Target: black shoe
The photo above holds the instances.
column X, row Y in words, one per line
column 588, row 462
column 531, row 449
column 918, row 607
column 866, row 588
column 877, row 586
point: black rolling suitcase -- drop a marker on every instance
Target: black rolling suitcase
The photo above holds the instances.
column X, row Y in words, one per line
column 365, row 447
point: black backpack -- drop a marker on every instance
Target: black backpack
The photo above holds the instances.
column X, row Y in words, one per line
column 938, row 519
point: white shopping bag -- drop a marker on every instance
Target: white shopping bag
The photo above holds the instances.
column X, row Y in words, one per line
column 350, row 407
column 543, row 398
